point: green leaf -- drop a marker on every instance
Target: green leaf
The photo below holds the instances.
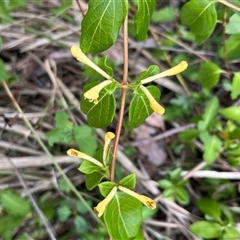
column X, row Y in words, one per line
column 209, row 74
column 49, row 210
column 0, row 43
column 182, row 195
column 231, row 113
column 7, row 225
column 200, row 17
column 148, row 213
column 231, row 233
column 227, row 86
column 58, row 135
column 80, row 224
column 234, row 161
column 99, row 115
column 209, row 114
column 204, row 136
column 90, row 73
column 22, row 237
column 206, row 229
column 143, row 17
column 181, row 183
column 62, row 120
column 235, row 86
column 64, row 186
column 14, row 5
column 129, row 181
column 123, row 216
column 151, row 71
column 112, row 87
column 232, row 47
column 65, row 5
column 188, row 135
column 88, row 167
column 140, row 235
column 165, row 14
column 104, row 66
column 93, row 179
column 14, row 204
column 106, row 187
column 81, row 207
column 168, row 193
column 212, row 147
column 165, row 184
column 101, row 24
column 5, row 14
column 234, row 152
column 227, row 214
column 85, row 138
column 3, row 72
column 235, row 134
column 140, row 108
column 233, row 26
column 175, row 174
column 64, row 213
column 63, row 131
column 210, row 207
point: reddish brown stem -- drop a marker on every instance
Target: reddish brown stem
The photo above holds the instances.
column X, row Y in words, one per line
column 123, row 98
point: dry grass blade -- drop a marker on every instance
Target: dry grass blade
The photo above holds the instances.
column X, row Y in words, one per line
column 34, row 161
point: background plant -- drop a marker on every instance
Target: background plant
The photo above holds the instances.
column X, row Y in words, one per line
column 202, row 105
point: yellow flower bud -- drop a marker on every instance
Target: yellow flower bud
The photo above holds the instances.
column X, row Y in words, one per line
column 93, row 93
column 81, row 57
column 150, row 203
column 75, row 153
column 170, row 72
column 108, row 137
column 100, row 208
column 156, row 107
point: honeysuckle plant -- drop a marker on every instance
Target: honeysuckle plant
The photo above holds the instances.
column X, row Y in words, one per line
column 92, row 95
column 101, row 166
column 121, row 204
column 95, row 96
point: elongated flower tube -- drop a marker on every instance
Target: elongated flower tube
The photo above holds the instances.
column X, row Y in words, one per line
column 108, row 137
column 100, row 208
column 170, row 72
column 75, row 153
column 81, row 57
column 93, row 93
column 150, row 203
column 156, row 107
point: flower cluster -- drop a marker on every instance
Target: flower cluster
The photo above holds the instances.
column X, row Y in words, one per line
column 93, row 94
column 100, row 208
column 75, row 153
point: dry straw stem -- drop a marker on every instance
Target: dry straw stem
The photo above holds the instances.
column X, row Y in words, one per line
column 34, row 161
column 228, row 4
column 213, row 174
